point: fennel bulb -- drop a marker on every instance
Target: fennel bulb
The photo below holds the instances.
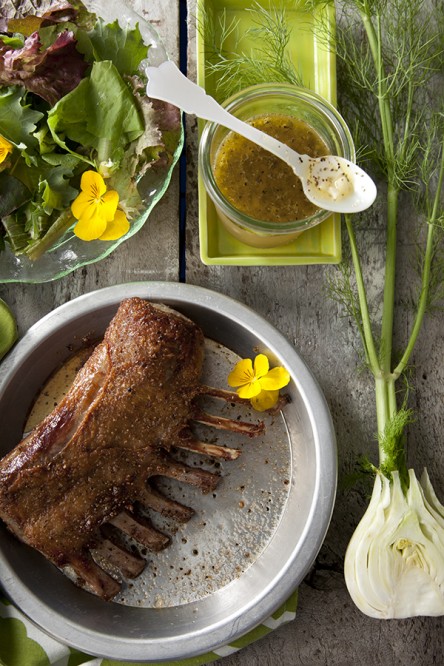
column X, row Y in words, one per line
column 394, row 564
column 389, row 55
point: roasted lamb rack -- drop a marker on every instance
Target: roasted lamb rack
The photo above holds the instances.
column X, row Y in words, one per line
column 73, row 485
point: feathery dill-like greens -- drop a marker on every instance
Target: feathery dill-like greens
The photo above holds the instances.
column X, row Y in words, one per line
column 388, row 57
column 402, row 52
column 390, row 54
column 390, row 72
column 233, row 69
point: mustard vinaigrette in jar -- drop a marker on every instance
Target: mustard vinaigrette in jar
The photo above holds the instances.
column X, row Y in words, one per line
column 259, row 184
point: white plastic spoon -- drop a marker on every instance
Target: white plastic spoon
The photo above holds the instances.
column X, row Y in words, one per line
column 330, row 182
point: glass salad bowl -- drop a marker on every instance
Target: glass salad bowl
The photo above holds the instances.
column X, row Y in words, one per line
column 69, row 252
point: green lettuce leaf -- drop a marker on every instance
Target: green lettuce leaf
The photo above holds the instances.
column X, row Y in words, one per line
column 16, row 234
column 123, row 46
column 37, row 220
column 18, row 121
column 100, row 113
column 56, row 192
column 14, row 42
column 13, row 193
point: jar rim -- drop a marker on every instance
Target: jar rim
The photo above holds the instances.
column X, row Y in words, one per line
column 322, row 106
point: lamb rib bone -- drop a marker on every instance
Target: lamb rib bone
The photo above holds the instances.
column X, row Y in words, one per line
column 88, row 462
column 127, row 563
column 153, row 499
column 190, row 443
column 142, row 532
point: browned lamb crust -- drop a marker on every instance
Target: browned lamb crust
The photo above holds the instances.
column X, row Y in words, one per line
column 79, row 476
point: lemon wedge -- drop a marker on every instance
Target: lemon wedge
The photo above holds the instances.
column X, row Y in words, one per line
column 8, row 329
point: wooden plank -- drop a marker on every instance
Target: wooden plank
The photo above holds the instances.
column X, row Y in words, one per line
column 329, row 630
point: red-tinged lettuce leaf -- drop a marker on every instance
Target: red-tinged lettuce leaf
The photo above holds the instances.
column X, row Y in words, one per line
column 50, row 73
column 167, row 115
column 26, row 16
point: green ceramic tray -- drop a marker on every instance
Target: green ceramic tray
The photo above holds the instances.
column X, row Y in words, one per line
column 316, row 63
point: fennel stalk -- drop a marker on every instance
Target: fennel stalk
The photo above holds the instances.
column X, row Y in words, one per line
column 389, row 54
column 394, row 564
column 392, row 72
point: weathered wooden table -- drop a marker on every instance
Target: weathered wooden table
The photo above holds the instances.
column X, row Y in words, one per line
column 328, row 630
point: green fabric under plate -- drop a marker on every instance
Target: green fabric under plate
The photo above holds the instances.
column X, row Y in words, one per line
column 23, row 644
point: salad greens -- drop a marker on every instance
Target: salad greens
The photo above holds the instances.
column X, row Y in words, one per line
column 71, row 100
column 100, row 112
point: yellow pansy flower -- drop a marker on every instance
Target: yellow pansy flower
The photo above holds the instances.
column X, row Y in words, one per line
column 5, row 148
column 117, row 227
column 95, row 208
column 257, row 383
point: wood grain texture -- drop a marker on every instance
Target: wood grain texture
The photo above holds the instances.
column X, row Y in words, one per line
column 328, row 630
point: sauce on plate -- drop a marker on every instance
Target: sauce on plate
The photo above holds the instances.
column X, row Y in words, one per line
column 56, row 388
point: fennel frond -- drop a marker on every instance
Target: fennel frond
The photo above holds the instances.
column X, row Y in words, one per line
column 265, row 58
column 389, row 55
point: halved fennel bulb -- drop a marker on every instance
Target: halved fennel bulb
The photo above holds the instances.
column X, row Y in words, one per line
column 394, row 564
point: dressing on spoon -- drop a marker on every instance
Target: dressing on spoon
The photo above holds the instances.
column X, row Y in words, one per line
column 330, row 182
column 333, row 181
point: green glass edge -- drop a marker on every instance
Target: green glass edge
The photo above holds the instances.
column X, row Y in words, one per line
column 112, row 246
column 288, row 255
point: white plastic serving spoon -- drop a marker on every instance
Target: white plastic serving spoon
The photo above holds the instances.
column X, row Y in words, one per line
column 330, row 182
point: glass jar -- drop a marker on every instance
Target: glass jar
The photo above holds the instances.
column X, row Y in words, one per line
column 267, row 99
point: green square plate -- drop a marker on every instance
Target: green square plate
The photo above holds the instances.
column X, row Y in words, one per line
column 317, row 65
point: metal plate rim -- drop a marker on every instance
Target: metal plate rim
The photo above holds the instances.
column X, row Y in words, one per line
column 254, row 612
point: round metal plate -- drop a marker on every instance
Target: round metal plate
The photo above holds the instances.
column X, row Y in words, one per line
column 248, row 546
